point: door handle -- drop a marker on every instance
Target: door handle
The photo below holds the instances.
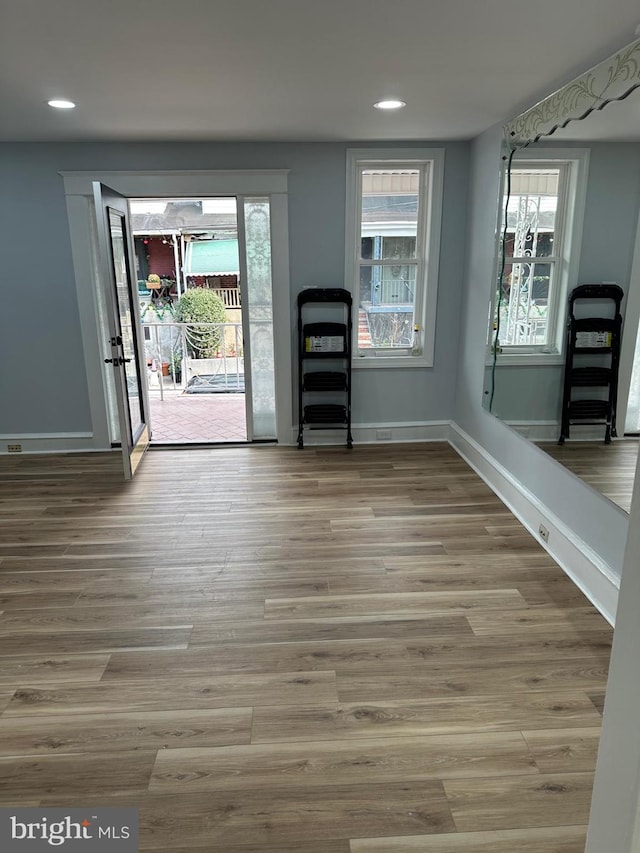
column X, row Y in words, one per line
column 116, row 362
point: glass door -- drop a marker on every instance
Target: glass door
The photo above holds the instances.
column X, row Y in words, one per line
column 126, row 360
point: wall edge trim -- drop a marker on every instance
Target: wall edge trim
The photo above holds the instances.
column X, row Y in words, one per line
column 50, row 442
column 414, row 431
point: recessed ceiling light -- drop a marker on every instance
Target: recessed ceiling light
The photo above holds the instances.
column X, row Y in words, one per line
column 390, row 104
column 61, row 104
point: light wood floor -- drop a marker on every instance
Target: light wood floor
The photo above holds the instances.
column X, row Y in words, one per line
column 268, row 650
column 609, row 468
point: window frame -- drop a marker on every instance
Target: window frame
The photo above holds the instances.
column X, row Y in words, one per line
column 430, row 161
column 568, row 234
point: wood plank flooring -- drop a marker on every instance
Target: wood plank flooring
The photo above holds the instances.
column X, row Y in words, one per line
column 268, row 650
column 609, row 468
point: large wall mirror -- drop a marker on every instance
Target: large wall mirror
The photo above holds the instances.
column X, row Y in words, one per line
column 570, row 217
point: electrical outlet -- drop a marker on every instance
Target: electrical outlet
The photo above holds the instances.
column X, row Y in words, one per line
column 383, row 434
column 14, row 448
column 544, row 533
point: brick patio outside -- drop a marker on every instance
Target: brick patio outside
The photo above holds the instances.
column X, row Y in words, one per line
column 194, row 418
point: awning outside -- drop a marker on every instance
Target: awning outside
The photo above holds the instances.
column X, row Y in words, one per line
column 212, row 257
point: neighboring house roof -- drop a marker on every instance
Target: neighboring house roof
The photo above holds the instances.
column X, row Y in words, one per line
column 182, row 216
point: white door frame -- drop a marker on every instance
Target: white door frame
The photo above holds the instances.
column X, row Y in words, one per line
column 175, row 184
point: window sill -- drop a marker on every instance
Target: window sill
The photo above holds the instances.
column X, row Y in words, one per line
column 386, row 361
column 533, row 359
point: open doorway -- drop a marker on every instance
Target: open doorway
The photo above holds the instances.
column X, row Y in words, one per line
column 263, row 248
column 188, row 276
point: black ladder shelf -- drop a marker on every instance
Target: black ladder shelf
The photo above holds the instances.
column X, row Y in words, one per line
column 592, row 360
column 324, row 395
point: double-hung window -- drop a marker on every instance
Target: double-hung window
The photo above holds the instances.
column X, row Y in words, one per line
column 543, row 201
column 394, row 199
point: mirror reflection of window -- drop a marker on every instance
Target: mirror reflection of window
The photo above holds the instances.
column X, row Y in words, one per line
column 532, row 253
column 541, row 202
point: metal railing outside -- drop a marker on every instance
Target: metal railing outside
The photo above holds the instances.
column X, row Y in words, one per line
column 170, row 349
column 392, row 291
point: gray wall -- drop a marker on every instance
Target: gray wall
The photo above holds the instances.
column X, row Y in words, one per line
column 611, row 213
column 46, row 388
column 43, row 385
column 525, row 393
column 594, row 519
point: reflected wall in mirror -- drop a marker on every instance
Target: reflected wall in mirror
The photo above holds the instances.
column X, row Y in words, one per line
column 570, row 216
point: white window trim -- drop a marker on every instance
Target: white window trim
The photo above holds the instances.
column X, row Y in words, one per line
column 567, row 275
column 427, row 303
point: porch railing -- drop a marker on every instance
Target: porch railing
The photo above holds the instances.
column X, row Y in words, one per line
column 171, row 350
column 229, row 295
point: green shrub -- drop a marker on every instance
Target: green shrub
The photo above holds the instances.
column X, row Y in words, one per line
column 199, row 305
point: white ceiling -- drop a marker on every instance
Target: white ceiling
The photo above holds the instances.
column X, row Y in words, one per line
column 291, row 69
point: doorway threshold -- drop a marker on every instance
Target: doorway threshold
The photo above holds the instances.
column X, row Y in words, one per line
column 208, row 445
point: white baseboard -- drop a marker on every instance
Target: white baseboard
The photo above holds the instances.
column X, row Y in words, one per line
column 379, row 433
column 536, row 430
column 550, row 430
column 57, row 442
column 577, row 559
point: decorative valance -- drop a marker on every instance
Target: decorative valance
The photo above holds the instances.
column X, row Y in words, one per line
column 613, row 79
